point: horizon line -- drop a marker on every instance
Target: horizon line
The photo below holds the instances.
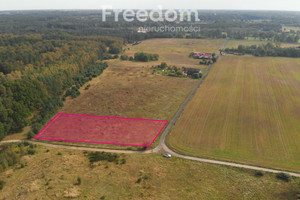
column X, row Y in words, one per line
column 99, row 9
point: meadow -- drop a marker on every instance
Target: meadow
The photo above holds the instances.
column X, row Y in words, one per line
column 129, row 89
column 53, row 173
column 248, row 111
column 236, row 43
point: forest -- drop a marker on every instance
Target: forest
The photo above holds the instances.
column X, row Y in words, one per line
column 259, row 25
column 268, row 49
column 37, row 73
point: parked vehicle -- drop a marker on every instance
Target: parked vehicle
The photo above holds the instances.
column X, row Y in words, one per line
column 167, row 155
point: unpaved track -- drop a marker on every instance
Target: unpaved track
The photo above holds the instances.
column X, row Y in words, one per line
column 162, row 147
column 162, row 143
column 166, row 149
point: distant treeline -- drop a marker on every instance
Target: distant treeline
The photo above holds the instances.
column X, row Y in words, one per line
column 266, row 50
column 36, row 70
column 145, row 57
column 262, row 25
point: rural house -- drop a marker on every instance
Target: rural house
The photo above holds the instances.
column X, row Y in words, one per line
column 197, row 54
column 206, row 56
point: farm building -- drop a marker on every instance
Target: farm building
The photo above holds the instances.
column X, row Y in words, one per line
column 206, row 56
column 196, row 54
column 199, row 55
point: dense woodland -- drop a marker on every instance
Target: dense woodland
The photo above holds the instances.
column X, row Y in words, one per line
column 38, row 71
column 260, row 25
column 266, row 50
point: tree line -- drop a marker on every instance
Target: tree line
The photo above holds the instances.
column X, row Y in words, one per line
column 214, row 24
column 175, row 71
column 40, row 72
column 145, row 57
column 268, row 49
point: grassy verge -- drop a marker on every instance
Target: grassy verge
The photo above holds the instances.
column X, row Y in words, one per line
column 57, row 174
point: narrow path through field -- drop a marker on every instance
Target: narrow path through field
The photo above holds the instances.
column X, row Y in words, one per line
column 162, row 145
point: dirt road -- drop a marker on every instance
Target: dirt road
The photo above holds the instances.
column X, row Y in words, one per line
column 165, row 149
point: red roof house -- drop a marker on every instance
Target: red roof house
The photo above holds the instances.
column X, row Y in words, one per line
column 207, row 56
column 196, row 54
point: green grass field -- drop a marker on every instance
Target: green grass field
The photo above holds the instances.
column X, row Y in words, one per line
column 52, row 176
column 247, row 110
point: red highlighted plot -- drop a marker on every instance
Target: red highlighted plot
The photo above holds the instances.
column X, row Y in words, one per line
column 100, row 129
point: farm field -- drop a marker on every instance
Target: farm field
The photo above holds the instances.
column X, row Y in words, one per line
column 236, row 43
column 129, row 89
column 52, row 174
column 176, row 51
column 103, row 130
column 247, row 110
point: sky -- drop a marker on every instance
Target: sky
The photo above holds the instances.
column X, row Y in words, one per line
column 292, row 5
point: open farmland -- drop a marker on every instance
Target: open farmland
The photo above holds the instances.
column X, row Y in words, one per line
column 129, row 89
column 52, row 174
column 176, row 51
column 247, row 110
column 236, row 43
